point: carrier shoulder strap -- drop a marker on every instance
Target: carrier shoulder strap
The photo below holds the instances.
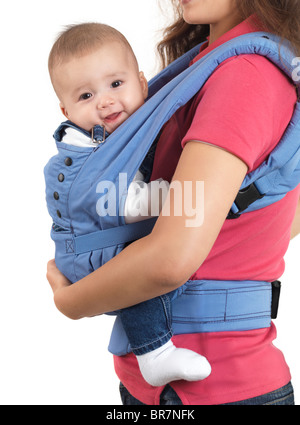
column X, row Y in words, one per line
column 174, row 87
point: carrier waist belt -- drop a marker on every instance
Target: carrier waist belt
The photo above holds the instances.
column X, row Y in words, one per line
column 214, row 306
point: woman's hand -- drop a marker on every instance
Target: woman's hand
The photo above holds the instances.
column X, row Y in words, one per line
column 56, row 279
column 165, row 259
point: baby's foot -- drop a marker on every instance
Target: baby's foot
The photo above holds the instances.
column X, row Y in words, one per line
column 168, row 363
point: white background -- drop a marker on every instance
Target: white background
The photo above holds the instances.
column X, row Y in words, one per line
column 46, row 358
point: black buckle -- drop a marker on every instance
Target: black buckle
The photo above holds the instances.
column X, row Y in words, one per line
column 276, row 286
column 244, row 199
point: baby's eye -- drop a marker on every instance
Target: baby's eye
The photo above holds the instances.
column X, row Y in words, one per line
column 116, row 84
column 85, row 96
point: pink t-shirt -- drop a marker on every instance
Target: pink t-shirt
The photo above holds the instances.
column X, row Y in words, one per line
column 244, row 108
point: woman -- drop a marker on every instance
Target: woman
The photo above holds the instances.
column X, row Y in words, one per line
column 227, row 130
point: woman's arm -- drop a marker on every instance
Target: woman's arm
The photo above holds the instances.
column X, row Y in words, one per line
column 165, row 259
column 296, row 223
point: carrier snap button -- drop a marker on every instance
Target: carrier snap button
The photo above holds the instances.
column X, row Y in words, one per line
column 68, row 161
column 61, row 177
column 56, row 196
column 58, row 213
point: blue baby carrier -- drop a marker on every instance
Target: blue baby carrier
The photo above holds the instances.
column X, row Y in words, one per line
column 86, row 191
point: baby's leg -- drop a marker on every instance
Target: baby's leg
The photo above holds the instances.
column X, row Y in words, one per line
column 148, row 328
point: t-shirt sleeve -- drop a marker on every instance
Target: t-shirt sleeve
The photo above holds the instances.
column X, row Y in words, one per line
column 235, row 110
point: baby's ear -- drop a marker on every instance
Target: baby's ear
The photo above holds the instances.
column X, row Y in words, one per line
column 63, row 110
column 144, row 84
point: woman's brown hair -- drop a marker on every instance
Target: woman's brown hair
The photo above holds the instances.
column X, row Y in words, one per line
column 280, row 17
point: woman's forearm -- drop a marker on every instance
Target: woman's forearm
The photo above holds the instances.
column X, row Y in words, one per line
column 135, row 275
column 164, row 260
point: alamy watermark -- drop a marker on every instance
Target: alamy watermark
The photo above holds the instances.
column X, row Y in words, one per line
column 296, row 71
column 187, row 197
column 151, row 200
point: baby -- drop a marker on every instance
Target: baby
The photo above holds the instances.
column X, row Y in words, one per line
column 96, row 77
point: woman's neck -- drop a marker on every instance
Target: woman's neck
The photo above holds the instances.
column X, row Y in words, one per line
column 220, row 28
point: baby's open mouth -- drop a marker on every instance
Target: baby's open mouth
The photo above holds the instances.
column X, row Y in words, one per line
column 112, row 117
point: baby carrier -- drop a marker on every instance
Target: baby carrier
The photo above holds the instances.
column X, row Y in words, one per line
column 86, row 190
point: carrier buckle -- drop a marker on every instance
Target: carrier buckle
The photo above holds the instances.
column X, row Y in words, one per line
column 96, row 134
column 244, row 199
column 276, row 286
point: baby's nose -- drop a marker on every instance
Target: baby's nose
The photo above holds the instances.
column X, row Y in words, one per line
column 105, row 101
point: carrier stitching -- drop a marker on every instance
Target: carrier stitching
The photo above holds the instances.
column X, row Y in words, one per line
column 180, row 320
column 69, row 246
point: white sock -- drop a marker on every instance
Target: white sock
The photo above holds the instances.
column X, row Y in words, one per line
column 168, row 363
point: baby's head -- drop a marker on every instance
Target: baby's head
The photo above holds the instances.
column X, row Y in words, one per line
column 96, row 77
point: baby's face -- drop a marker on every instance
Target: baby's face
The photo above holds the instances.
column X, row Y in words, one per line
column 103, row 87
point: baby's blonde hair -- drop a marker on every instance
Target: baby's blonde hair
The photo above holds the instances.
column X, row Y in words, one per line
column 81, row 39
